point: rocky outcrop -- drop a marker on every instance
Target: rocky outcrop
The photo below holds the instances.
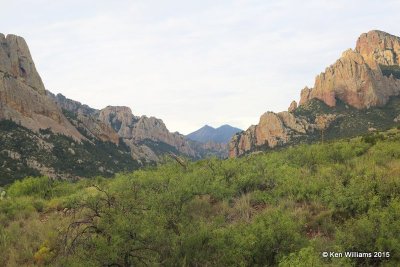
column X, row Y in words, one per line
column 96, row 129
column 379, row 48
column 155, row 129
column 304, row 95
column 150, row 128
column 139, row 132
column 85, row 118
column 119, row 118
column 16, row 62
column 243, row 142
column 273, row 129
column 71, row 105
column 22, row 94
column 322, row 122
column 270, row 130
column 292, row 106
column 356, row 78
column 296, row 124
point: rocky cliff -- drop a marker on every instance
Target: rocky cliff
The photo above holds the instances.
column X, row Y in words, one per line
column 23, row 97
column 85, row 119
column 71, row 105
column 357, row 78
column 367, row 77
column 273, row 129
column 379, row 48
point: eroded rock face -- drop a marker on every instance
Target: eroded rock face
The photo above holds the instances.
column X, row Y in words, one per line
column 136, row 131
column 356, row 78
column 71, row 105
column 23, row 98
column 86, row 118
column 120, row 119
column 273, row 129
column 270, row 130
column 292, row 106
column 16, row 61
column 151, row 128
column 290, row 121
column 378, row 47
column 242, row 142
column 97, row 129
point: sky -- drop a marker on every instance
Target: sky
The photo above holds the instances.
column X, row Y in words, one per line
column 190, row 63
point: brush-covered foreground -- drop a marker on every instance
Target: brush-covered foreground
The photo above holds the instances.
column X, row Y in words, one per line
column 279, row 208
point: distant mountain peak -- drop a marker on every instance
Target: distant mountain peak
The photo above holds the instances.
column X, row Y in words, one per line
column 207, row 133
column 225, row 126
column 207, row 127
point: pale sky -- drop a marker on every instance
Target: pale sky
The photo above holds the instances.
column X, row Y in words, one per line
column 190, row 63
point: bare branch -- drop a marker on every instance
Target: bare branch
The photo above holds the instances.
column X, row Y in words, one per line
column 178, row 159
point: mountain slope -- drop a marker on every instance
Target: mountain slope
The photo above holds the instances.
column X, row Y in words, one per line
column 357, row 94
column 24, row 152
column 148, row 137
column 43, row 133
column 207, row 134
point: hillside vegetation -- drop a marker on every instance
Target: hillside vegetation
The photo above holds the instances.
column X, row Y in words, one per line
column 278, row 208
column 27, row 153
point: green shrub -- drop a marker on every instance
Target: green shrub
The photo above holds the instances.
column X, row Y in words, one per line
column 32, row 186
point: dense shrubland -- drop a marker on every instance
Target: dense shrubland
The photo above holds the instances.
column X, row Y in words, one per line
column 277, row 208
